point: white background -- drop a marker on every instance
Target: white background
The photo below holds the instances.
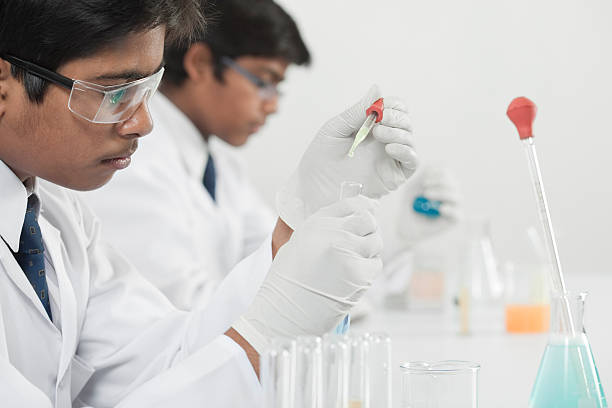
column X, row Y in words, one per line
column 458, row 64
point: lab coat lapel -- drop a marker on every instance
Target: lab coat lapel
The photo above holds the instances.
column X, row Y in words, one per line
column 67, row 300
column 14, row 271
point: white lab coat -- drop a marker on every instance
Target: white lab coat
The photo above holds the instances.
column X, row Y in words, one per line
column 161, row 194
column 115, row 340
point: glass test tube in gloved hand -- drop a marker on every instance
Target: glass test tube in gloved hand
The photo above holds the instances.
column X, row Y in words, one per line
column 347, row 189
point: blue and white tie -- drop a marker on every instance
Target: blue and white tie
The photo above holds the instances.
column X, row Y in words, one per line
column 31, row 253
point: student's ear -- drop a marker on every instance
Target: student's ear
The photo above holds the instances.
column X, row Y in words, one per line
column 198, row 62
column 5, row 79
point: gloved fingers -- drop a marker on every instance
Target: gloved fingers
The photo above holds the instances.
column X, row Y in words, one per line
column 348, row 122
column 349, row 206
column 390, row 172
column 405, row 155
column 451, row 212
column 441, row 194
column 396, row 118
column 386, row 134
column 361, row 223
column 362, row 270
column 367, row 246
column 439, row 179
column 394, row 102
column 371, row 269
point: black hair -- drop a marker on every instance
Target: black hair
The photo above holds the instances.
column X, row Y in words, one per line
column 235, row 28
column 52, row 32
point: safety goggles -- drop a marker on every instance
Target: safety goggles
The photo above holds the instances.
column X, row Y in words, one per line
column 267, row 90
column 97, row 103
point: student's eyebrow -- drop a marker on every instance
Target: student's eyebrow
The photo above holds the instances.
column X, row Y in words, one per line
column 276, row 77
column 128, row 75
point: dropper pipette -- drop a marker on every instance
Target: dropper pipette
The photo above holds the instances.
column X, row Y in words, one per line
column 374, row 114
column 522, row 112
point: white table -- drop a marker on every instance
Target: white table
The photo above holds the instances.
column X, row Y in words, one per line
column 509, row 363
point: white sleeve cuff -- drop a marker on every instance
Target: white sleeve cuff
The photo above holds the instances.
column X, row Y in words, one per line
column 257, row 340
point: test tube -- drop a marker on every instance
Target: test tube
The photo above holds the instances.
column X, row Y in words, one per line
column 350, row 189
column 347, row 189
column 277, row 371
column 359, row 376
column 308, row 378
column 379, row 367
column 335, row 371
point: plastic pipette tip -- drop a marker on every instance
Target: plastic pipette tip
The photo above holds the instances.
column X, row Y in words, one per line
column 522, row 112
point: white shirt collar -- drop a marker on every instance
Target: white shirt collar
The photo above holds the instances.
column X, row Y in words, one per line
column 13, row 203
column 190, row 142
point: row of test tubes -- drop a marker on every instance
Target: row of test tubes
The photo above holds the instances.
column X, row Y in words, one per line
column 352, row 371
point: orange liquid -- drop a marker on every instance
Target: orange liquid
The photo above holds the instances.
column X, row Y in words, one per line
column 527, row 318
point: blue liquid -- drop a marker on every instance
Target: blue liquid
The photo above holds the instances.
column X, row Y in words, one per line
column 343, row 326
column 427, row 207
column 568, row 377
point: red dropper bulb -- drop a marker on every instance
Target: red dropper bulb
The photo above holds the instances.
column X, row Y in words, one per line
column 377, row 107
column 522, row 112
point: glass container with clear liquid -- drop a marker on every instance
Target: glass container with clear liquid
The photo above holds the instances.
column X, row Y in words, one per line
column 567, row 377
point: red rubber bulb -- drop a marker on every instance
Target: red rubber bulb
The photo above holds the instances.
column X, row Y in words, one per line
column 377, row 107
column 522, row 112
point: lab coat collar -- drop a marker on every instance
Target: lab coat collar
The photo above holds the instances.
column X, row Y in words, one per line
column 13, row 203
column 190, row 142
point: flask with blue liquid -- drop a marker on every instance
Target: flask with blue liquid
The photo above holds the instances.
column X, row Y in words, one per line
column 568, row 376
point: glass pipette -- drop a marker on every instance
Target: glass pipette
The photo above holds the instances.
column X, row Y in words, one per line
column 522, row 112
column 374, row 115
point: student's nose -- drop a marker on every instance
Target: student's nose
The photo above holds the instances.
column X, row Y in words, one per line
column 139, row 124
column 270, row 106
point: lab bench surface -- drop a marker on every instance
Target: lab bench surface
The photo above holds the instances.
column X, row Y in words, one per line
column 509, row 362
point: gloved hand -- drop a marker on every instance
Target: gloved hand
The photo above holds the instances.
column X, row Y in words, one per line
column 318, row 275
column 381, row 163
column 435, row 184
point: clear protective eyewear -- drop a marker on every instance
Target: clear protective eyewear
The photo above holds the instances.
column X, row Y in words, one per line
column 267, row 90
column 97, row 103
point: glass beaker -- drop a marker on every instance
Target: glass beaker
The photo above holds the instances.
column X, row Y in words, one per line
column 443, row 384
column 527, row 298
column 567, row 377
column 527, row 285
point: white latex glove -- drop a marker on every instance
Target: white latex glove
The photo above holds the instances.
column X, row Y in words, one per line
column 318, row 275
column 435, row 184
column 381, row 163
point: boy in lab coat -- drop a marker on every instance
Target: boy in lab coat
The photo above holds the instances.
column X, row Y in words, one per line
column 216, row 93
column 78, row 324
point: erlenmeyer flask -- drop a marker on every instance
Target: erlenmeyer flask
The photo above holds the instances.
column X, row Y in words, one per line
column 567, row 377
